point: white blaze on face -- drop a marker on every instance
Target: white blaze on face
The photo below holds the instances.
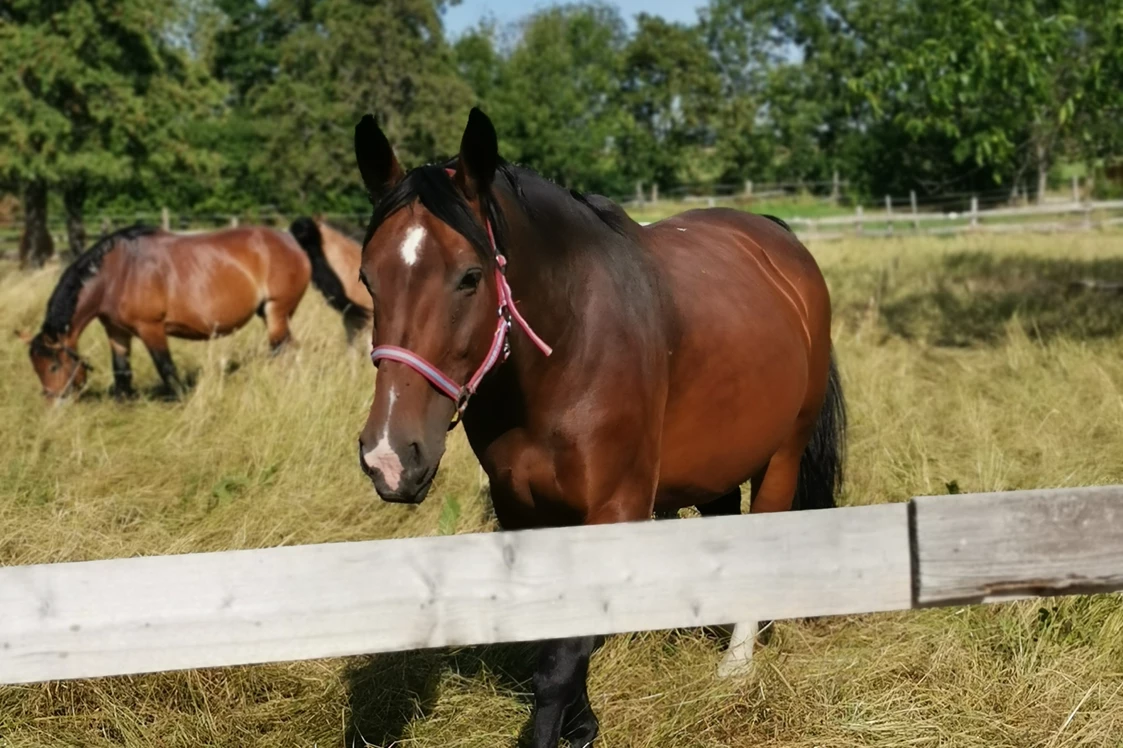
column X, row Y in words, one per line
column 382, row 457
column 411, row 245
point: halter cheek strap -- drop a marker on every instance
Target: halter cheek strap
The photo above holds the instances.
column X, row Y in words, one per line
column 497, row 353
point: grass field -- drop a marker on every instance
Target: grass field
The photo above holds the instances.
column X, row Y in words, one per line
column 968, row 366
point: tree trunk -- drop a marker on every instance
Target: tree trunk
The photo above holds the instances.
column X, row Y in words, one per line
column 74, row 199
column 36, row 245
column 1042, row 173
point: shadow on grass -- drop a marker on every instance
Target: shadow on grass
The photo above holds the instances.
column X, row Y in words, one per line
column 387, row 693
column 158, row 391
column 970, row 298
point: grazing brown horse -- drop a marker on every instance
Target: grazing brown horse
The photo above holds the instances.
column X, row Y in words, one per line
column 147, row 283
column 687, row 358
column 335, row 271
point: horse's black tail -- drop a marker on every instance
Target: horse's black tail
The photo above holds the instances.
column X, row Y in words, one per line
column 820, row 468
column 307, row 234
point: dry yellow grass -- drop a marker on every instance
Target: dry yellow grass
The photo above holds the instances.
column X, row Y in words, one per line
column 967, row 365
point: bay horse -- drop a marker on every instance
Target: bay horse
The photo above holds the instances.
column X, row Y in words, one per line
column 147, row 283
column 628, row 370
column 335, row 271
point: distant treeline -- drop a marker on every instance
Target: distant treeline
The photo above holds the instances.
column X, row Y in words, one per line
column 226, row 105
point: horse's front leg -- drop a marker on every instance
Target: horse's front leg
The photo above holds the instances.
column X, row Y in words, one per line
column 561, row 695
column 533, row 485
column 120, row 341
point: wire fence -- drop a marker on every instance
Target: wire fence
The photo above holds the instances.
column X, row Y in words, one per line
column 816, row 210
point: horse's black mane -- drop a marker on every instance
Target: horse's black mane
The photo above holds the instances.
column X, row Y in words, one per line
column 778, row 221
column 433, row 186
column 64, row 299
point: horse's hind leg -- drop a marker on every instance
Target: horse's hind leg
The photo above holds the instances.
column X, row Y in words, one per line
column 277, row 315
column 155, row 339
column 738, row 657
column 772, row 491
column 120, row 341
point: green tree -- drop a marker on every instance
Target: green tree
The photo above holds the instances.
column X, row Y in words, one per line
column 1013, row 83
column 342, row 59
column 671, row 91
column 479, row 61
column 739, row 37
column 557, row 105
column 91, row 91
column 246, row 46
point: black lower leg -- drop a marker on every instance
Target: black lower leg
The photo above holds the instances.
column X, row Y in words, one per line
column 579, row 724
column 122, row 375
column 561, row 701
column 166, row 368
column 725, row 505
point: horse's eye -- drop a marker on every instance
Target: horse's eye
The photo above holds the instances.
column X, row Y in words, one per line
column 471, row 280
column 54, row 368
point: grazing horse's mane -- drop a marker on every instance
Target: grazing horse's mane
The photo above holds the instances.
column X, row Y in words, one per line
column 64, row 299
column 324, row 277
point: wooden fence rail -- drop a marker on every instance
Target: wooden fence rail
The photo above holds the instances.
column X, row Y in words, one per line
column 97, row 618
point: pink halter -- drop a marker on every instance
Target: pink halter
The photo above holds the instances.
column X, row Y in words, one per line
column 500, row 348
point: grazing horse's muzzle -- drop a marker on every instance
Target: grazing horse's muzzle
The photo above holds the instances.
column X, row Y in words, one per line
column 396, row 480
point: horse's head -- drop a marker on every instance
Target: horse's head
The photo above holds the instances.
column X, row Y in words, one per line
column 60, row 369
column 428, row 267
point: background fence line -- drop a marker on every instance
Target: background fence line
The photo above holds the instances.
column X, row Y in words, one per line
column 895, row 217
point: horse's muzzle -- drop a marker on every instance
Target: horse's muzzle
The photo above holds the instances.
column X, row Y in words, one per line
column 412, row 482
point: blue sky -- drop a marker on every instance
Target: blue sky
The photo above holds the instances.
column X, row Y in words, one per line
column 461, row 17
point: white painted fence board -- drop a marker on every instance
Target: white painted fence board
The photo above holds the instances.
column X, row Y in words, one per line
column 1002, row 546
column 158, row 613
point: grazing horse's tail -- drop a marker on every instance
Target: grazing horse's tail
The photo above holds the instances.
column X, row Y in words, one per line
column 820, row 468
column 307, row 234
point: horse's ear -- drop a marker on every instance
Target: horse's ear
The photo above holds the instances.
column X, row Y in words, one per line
column 377, row 162
column 23, row 335
column 479, row 154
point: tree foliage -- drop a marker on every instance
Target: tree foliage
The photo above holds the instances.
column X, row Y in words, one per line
column 93, row 93
column 223, row 105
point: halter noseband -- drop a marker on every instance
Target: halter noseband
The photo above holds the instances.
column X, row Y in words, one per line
column 500, row 346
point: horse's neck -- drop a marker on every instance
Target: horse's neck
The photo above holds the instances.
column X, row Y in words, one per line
column 539, row 283
column 86, row 310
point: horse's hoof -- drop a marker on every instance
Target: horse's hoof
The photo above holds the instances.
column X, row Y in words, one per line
column 583, row 734
column 735, row 666
column 738, row 658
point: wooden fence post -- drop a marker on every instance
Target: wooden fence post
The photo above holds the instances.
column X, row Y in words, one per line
column 889, row 213
column 233, row 222
column 748, row 188
column 974, row 212
column 639, row 192
column 912, row 202
column 834, row 187
column 858, row 224
column 165, row 219
column 654, row 192
column 1075, row 188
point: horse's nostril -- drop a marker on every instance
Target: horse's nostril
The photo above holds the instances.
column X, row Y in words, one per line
column 414, row 452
